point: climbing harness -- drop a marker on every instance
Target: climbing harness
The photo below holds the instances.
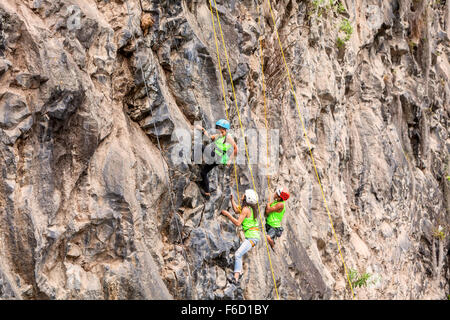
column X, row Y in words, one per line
column 250, row 227
column 309, row 147
column 240, row 122
column 168, row 179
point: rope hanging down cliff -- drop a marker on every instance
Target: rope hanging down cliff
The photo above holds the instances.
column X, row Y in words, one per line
column 168, row 179
column 264, row 93
column 309, row 146
column 241, row 126
column 226, row 105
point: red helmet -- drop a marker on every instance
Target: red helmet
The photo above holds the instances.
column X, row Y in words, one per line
column 283, row 193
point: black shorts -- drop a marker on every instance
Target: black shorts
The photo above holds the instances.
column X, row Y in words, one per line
column 273, row 232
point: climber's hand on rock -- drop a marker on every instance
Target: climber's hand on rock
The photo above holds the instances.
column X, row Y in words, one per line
column 199, row 127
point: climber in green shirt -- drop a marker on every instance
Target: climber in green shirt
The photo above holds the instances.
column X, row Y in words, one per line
column 247, row 218
column 223, row 143
column 274, row 212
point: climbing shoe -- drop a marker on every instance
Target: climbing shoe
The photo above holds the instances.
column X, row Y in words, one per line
column 273, row 248
column 204, row 194
column 278, row 282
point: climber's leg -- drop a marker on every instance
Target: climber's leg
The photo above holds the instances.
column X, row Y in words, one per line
column 243, row 249
column 271, row 242
column 204, row 174
column 271, row 235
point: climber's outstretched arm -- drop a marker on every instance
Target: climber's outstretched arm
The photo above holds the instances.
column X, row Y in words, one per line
column 234, row 205
column 236, row 222
column 213, row 137
column 235, row 150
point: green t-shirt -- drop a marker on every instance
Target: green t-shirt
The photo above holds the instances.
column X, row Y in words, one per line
column 250, row 227
column 274, row 218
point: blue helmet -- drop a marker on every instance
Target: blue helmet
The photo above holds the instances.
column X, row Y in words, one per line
column 223, row 123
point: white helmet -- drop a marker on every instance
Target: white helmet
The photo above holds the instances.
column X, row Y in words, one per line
column 251, row 197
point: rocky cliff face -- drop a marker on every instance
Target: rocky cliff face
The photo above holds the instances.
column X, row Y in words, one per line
column 90, row 89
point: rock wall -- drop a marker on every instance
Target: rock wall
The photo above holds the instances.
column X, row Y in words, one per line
column 89, row 91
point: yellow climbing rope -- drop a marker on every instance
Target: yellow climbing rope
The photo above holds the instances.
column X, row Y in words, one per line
column 264, row 96
column 309, row 147
column 240, row 123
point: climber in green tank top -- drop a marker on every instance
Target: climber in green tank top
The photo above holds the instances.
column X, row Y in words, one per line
column 247, row 218
column 274, row 212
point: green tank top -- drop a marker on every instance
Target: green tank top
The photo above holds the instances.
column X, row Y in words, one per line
column 221, row 149
column 250, row 227
column 274, row 219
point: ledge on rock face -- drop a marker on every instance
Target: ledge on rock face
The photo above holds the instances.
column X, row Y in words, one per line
column 8, row 289
column 63, row 103
column 87, row 32
column 29, row 81
column 191, row 195
column 13, row 110
column 310, row 283
column 15, row 118
column 5, row 65
column 160, row 125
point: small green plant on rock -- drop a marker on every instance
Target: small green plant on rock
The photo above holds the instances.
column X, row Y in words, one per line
column 412, row 45
column 437, row 250
column 336, row 5
column 318, row 6
column 340, row 42
column 347, row 29
column 440, row 232
column 361, row 280
column 340, row 7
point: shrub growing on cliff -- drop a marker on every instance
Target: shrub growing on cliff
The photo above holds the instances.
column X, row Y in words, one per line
column 437, row 258
column 439, row 233
column 340, row 7
column 361, row 280
column 347, row 29
column 340, row 42
column 319, row 7
column 412, row 45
